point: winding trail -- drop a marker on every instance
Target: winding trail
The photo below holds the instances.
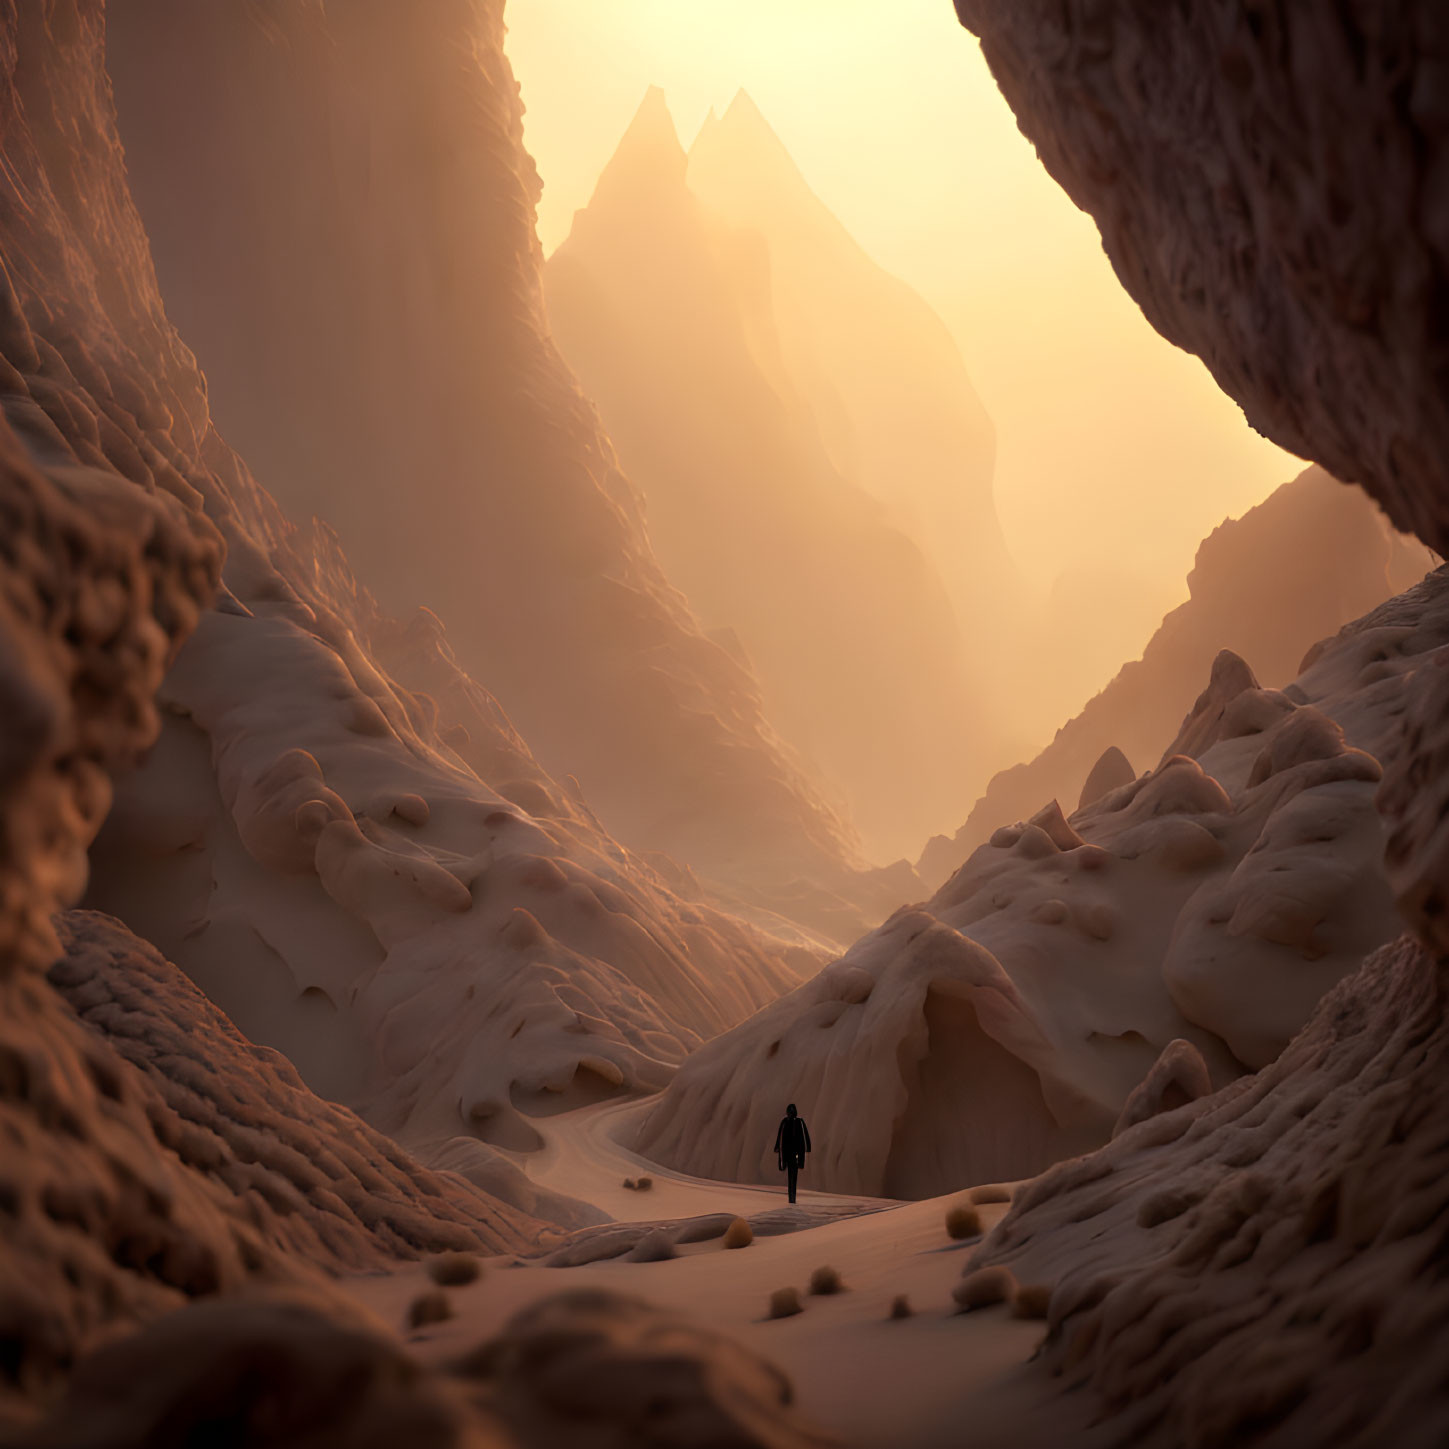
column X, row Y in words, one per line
column 936, row 1380
column 585, row 1156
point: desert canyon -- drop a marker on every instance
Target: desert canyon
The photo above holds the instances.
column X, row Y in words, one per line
column 481, row 730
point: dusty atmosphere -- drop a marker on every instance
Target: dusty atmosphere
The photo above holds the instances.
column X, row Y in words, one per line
column 723, row 735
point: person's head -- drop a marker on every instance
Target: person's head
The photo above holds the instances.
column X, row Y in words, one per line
column 790, row 1110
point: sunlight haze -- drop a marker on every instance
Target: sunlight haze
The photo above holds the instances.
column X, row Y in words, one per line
column 1116, row 453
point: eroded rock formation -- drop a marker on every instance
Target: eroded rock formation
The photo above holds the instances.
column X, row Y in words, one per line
column 1257, row 1266
column 1005, row 1023
column 317, row 1183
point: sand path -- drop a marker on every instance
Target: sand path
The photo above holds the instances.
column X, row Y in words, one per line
column 934, row 1380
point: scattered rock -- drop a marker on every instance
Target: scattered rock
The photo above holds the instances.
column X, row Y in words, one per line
column 738, row 1234
column 963, row 1221
column 825, row 1280
column 785, row 1303
column 429, row 1308
column 984, row 1288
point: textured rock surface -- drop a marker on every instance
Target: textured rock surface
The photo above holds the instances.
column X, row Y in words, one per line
column 312, row 1179
column 1178, row 1076
column 1267, row 587
column 636, row 1375
column 1004, row 1024
column 97, row 580
column 583, row 1368
column 1269, row 182
column 353, row 260
column 278, row 1371
column 121, row 1192
column 1265, row 1266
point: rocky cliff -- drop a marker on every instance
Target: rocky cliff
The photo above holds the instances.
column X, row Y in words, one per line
column 1269, row 183
column 352, row 258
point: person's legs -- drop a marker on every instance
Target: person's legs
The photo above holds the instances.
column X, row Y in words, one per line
column 793, row 1171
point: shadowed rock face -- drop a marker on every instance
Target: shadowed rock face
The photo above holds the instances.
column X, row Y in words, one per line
column 1270, row 183
column 330, row 1191
column 123, row 1189
column 280, row 1372
column 353, row 259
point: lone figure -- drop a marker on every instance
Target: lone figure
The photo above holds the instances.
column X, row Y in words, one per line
column 792, row 1142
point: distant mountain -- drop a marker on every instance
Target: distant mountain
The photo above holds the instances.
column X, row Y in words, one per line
column 767, row 476
column 1267, row 586
column 881, row 372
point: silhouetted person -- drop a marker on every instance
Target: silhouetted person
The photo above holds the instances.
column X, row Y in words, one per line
column 792, row 1142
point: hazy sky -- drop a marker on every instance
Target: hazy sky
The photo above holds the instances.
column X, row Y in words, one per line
column 1116, row 451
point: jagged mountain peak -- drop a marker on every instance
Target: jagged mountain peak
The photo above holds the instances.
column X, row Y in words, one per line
column 743, row 144
column 650, row 147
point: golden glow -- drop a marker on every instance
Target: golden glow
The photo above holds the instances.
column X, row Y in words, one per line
column 1116, row 452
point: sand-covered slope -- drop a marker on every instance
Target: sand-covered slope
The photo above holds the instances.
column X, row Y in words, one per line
column 668, row 313
column 352, row 258
column 1268, row 586
column 1003, row 1024
column 422, row 945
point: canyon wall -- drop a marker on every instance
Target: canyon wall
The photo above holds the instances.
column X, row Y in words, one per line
column 1269, row 185
column 341, row 211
